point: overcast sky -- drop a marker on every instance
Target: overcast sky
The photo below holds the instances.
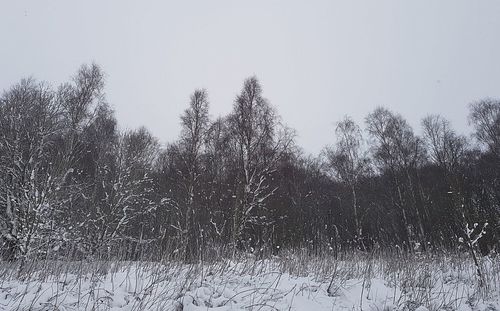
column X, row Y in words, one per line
column 317, row 60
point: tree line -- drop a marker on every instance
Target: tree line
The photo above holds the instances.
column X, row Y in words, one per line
column 72, row 183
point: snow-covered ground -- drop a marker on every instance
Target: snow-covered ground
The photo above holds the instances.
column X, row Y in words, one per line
column 288, row 282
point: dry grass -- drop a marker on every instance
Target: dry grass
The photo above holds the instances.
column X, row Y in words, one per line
column 444, row 281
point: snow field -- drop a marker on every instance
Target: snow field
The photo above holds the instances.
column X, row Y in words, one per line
column 292, row 281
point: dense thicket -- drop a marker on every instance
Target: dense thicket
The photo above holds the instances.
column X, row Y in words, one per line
column 70, row 181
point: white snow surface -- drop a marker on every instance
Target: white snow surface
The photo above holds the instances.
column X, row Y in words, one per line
column 281, row 283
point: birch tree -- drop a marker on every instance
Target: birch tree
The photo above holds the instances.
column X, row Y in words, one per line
column 259, row 140
column 485, row 117
column 194, row 127
column 29, row 129
column 398, row 152
column 349, row 163
column 124, row 191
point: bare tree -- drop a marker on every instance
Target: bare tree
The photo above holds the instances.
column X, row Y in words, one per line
column 259, row 141
column 125, row 189
column 349, row 162
column 398, row 152
column 29, row 128
column 446, row 148
column 81, row 101
column 71, row 183
column 195, row 124
column 485, row 116
column 219, row 166
column 88, row 143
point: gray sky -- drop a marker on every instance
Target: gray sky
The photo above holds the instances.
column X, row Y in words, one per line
column 317, row 60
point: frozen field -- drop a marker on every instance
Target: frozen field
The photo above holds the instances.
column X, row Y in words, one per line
column 289, row 282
